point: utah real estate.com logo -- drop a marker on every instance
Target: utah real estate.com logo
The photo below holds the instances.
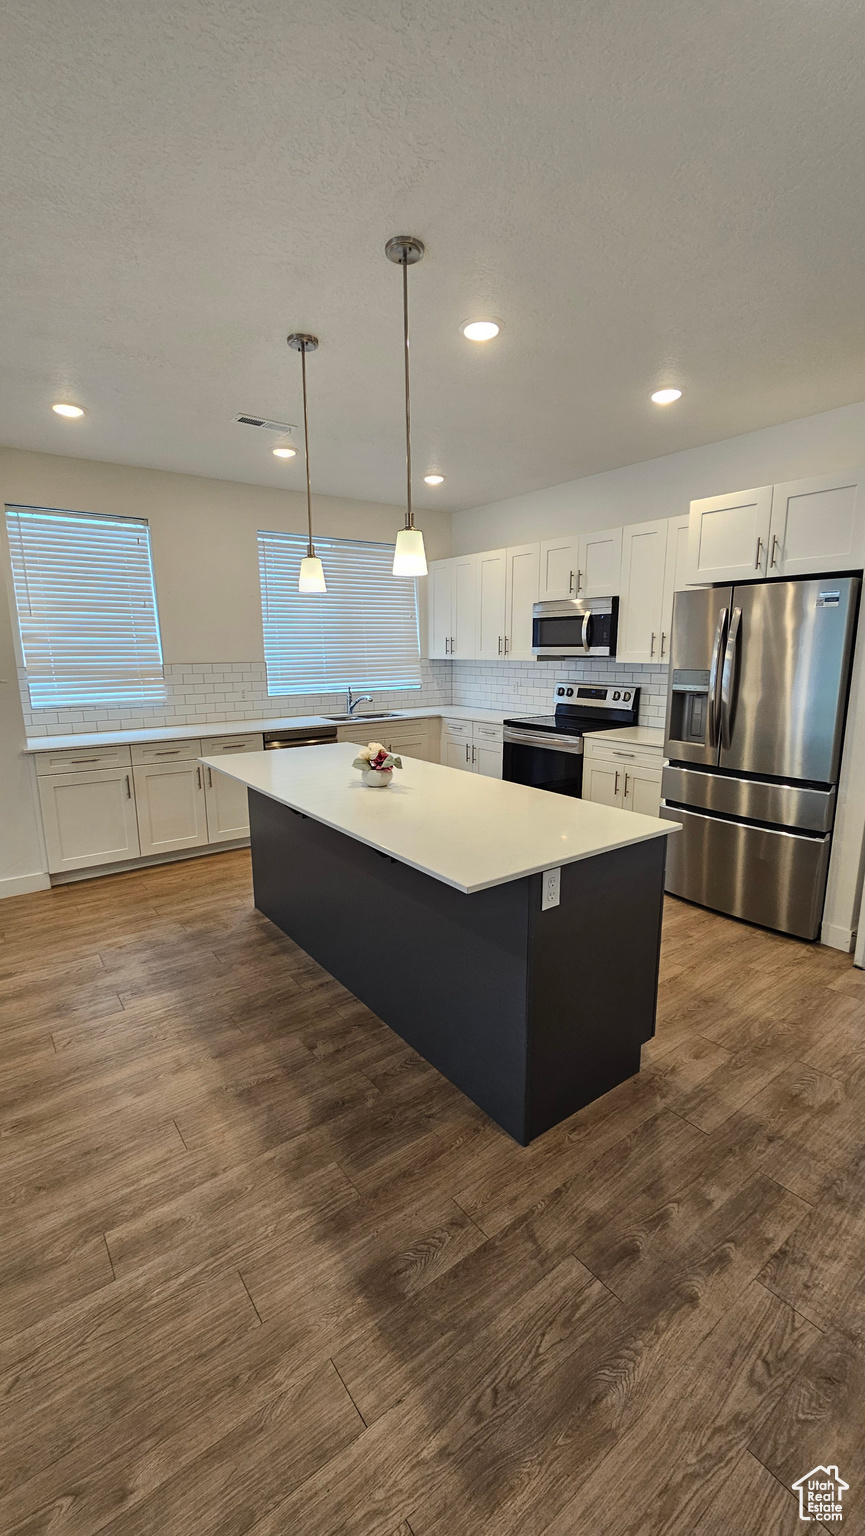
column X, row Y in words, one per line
column 820, row 1492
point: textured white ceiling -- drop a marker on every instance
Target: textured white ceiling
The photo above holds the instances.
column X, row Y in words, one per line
column 644, row 191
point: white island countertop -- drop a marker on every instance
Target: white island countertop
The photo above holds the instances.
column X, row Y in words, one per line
column 469, row 831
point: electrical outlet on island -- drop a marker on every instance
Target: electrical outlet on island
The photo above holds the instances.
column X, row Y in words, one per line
column 552, row 882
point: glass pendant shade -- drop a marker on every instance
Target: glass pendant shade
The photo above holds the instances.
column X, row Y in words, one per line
column 409, row 556
column 311, row 577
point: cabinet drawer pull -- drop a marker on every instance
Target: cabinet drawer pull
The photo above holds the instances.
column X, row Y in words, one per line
column 617, row 753
column 167, row 752
column 79, row 760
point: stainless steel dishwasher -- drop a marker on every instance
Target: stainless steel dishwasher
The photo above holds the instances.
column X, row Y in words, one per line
column 304, row 736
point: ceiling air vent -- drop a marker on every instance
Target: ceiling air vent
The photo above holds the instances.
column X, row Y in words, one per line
column 269, row 426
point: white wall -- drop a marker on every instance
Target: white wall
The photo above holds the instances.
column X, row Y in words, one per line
column 205, row 557
column 206, row 568
column 664, row 487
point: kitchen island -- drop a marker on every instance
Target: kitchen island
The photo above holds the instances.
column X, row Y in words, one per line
column 429, row 900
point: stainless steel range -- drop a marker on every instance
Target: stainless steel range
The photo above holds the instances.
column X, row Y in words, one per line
column 546, row 751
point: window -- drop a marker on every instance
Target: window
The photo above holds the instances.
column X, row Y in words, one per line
column 363, row 631
column 86, row 607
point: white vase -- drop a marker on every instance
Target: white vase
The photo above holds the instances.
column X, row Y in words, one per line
column 377, row 778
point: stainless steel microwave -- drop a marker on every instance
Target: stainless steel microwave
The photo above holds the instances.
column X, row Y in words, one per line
column 575, row 626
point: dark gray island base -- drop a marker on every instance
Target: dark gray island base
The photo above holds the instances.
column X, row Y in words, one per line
column 531, row 1014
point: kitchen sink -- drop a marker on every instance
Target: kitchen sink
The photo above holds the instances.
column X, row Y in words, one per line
column 386, row 714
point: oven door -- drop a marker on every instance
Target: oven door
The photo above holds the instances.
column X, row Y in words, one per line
column 543, row 762
column 575, row 628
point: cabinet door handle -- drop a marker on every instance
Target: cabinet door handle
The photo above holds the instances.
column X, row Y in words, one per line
column 500, row 645
column 579, row 585
column 507, row 645
column 128, row 788
column 663, row 641
column 467, row 752
column 198, row 771
column 209, row 779
column 627, row 776
column 616, row 785
column 772, row 560
column 652, row 646
column 570, row 581
column 474, row 759
column 759, row 560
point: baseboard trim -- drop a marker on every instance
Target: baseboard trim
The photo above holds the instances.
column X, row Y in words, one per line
column 96, row 871
column 836, row 937
column 24, row 885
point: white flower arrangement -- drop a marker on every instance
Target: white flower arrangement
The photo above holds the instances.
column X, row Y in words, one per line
column 376, row 759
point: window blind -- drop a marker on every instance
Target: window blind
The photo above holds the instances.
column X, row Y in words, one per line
column 86, row 607
column 363, row 631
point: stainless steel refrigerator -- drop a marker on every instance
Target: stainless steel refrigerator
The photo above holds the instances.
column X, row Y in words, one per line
column 759, row 677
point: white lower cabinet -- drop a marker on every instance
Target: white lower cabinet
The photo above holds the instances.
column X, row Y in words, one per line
column 624, row 777
column 89, row 818
column 473, row 745
column 172, row 810
column 227, row 806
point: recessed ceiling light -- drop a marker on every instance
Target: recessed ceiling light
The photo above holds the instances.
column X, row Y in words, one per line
column 433, row 479
column 285, row 453
column 666, row 396
column 480, row 330
column 68, row 410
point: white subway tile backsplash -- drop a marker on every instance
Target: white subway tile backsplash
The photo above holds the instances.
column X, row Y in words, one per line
column 528, row 686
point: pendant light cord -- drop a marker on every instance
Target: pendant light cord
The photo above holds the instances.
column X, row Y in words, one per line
column 309, row 548
column 409, row 515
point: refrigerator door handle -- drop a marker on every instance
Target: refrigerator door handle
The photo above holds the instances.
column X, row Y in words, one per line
column 728, row 672
column 715, row 679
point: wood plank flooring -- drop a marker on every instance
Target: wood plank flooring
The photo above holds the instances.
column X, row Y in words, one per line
column 263, row 1270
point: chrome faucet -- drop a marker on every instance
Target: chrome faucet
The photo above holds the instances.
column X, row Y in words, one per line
column 365, row 698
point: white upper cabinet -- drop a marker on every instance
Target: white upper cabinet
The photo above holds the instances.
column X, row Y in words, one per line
column 817, row 525
column 675, row 575
column 492, row 568
column 521, row 594
column 559, row 564
column 644, row 559
column 440, row 606
column 729, row 536
column 587, row 566
column 600, row 563
column 464, row 639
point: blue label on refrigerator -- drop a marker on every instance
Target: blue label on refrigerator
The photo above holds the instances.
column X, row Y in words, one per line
column 828, row 599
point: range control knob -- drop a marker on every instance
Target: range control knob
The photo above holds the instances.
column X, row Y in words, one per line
column 570, row 693
column 617, row 695
column 560, row 692
column 626, row 697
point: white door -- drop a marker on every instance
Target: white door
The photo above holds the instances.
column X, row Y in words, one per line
column 642, row 791
column 644, row 559
column 488, row 759
column 675, row 575
column 523, row 574
column 600, row 563
column 559, row 561
column 817, row 525
column 89, row 818
column 227, row 806
column 171, row 806
column 464, row 627
column 729, row 536
column 602, row 783
column 440, row 602
column 492, row 568
column 456, row 753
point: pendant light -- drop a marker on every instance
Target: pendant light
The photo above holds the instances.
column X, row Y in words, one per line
column 311, row 577
column 409, row 556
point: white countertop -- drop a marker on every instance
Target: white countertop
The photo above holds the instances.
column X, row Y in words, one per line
column 469, row 831
column 634, row 735
column 195, row 729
